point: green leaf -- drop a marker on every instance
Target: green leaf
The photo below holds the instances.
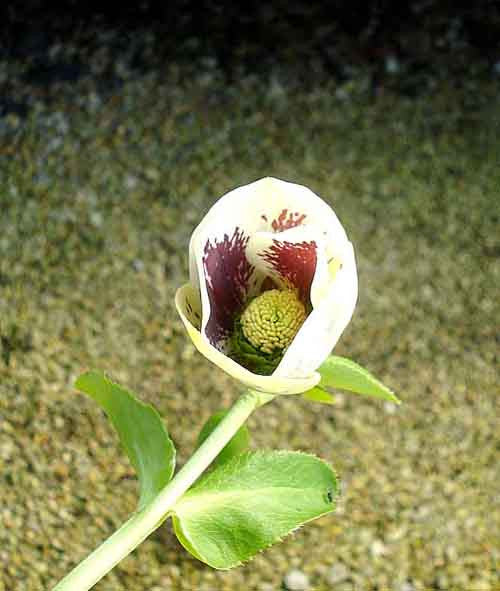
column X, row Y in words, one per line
column 318, row 395
column 140, row 429
column 251, row 502
column 237, row 445
column 343, row 374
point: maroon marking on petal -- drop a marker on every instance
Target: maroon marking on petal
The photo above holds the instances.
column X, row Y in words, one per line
column 264, row 217
column 295, row 263
column 227, row 275
column 282, row 222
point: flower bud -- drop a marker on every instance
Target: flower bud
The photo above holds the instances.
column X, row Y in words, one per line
column 272, row 286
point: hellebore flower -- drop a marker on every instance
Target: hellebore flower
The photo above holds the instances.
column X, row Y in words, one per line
column 273, row 284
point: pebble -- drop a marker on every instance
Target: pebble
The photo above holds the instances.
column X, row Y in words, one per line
column 338, row 573
column 392, row 65
column 96, row 218
column 296, row 580
column 390, row 408
column 378, row 548
column 130, row 182
column 138, row 265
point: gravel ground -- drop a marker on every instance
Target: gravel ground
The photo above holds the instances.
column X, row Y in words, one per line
column 99, row 192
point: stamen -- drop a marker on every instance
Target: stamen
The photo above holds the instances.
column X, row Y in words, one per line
column 271, row 321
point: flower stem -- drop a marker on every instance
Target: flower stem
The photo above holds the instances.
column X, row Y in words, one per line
column 134, row 531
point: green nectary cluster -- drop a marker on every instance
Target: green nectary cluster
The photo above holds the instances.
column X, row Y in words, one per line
column 266, row 328
column 272, row 320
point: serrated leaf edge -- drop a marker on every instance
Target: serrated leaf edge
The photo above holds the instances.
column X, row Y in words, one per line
column 177, row 522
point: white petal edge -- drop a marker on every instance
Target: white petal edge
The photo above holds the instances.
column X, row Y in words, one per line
column 273, row 384
column 244, row 206
column 325, row 324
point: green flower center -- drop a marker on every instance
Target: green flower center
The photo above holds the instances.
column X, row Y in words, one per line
column 271, row 321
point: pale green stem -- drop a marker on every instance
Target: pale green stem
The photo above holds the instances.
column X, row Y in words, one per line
column 144, row 522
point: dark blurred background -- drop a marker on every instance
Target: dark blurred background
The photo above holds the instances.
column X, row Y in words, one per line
column 404, row 46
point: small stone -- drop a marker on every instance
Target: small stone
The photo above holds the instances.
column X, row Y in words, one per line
column 138, row 265
column 392, row 65
column 378, row 548
column 406, row 586
column 339, row 399
column 152, row 174
column 96, row 219
column 61, row 470
column 337, row 574
column 296, row 580
column 451, row 553
column 59, row 422
column 130, row 182
column 390, row 408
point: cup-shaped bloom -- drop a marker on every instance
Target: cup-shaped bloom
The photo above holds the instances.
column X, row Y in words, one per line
column 273, row 284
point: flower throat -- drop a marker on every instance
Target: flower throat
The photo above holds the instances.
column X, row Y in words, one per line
column 265, row 329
